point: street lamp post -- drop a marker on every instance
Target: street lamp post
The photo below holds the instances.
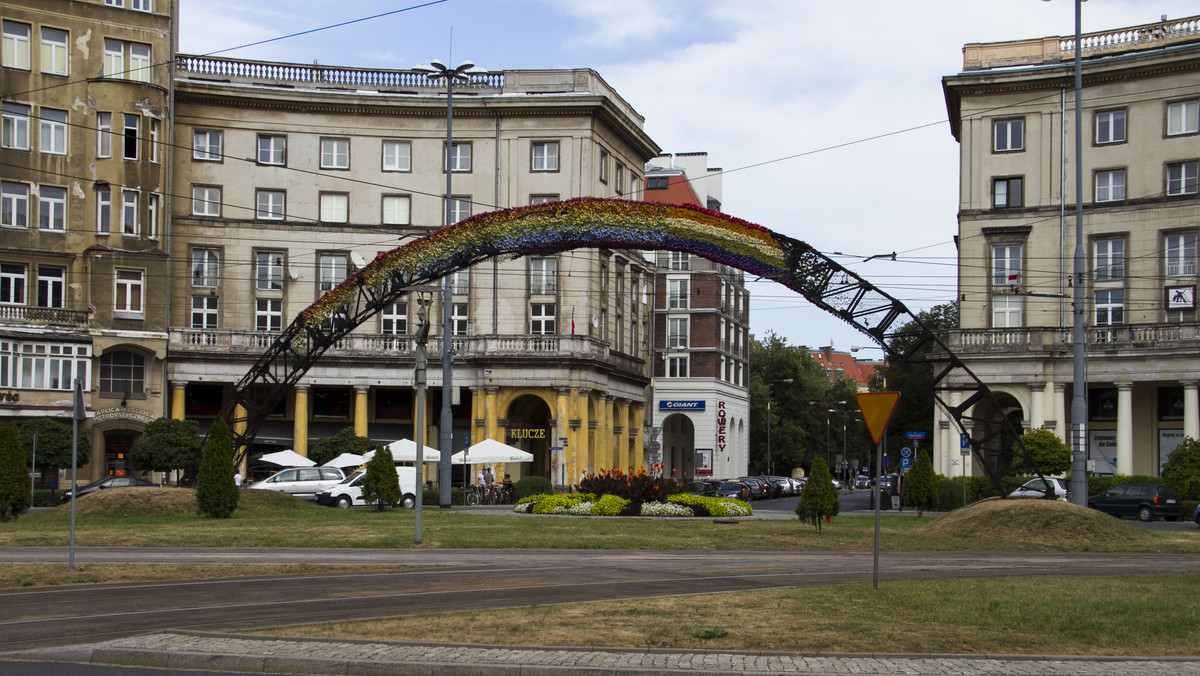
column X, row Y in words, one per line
column 462, row 73
column 769, row 383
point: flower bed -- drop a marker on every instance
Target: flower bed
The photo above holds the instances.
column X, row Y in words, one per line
column 588, row 504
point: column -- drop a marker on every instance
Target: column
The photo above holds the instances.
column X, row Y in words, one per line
column 1191, row 416
column 638, row 432
column 360, row 411
column 1060, row 413
column 606, row 431
column 1037, row 407
column 1124, row 428
column 565, row 458
column 944, row 430
column 300, row 421
column 178, row 390
column 1052, row 421
column 585, row 462
column 239, row 428
column 491, row 419
column 621, row 453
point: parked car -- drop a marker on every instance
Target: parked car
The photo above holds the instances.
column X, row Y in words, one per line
column 706, row 488
column 732, row 489
column 348, row 493
column 1144, row 500
column 302, row 482
column 862, row 481
column 110, row 482
column 1034, row 488
column 797, row 485
column 758, row 487
column 777, row 485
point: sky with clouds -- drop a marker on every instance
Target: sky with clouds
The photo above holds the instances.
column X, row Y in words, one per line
column 827, row 117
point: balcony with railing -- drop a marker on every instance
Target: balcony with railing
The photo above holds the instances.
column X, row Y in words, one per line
column 1041, row 342
column 42, row 316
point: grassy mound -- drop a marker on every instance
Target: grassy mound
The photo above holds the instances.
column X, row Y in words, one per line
column 1035, row 521
column 162, row 501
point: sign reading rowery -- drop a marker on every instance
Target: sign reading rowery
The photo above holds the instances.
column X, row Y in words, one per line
column 668, row 405
column 720, row 427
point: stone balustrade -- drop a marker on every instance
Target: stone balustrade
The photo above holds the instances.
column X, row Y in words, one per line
column 316, row 74
column 45, row 316
column 1057, row 49
column 1055, row 339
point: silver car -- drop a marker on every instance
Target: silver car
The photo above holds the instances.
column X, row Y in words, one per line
column 302, row 482
column 1034, row 488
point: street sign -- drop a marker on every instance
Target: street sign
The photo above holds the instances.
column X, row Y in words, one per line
column 914, row 435
column 877, row 409
column 963, row 440
column 556, row 448
column 906, row 452
column 885, row 461
column 905, row 463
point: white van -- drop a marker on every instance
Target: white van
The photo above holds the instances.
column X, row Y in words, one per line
column 349, row 492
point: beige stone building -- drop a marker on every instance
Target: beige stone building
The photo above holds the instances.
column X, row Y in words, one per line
column 1012, row 111
column 293, row 175
column 85, row 192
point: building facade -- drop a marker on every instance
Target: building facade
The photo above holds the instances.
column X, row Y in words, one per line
column 701, row 330
column 84, row 176
column 1011, row 110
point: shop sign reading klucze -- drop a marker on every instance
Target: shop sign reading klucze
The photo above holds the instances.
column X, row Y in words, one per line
column 668, row 405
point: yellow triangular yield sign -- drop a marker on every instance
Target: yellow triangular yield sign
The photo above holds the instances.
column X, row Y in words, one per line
column 877, row 408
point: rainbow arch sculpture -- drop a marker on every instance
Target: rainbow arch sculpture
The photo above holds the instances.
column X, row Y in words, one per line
column 598, row 223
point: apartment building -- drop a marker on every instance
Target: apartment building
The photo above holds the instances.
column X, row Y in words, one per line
column 84, row 194
column 701, row 330
column 1012, row 112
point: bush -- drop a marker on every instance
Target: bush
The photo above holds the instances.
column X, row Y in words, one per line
column 640, row 486
column 14, row 474
column 381, row 485
column 532, row 485
column 950, row 491
column 921, row 485
column 1046, row 450
column 608, row 505
column 345, row 441
column 216, row 494
column 431, row 498
column 819, row 497
column 1182, row 469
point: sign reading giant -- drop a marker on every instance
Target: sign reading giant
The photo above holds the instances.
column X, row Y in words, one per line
column 668, row 405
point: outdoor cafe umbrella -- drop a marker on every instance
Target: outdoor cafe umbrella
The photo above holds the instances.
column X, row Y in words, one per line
column 489, row 451
column 288, row 458
column 405, row 450
column 346, row 460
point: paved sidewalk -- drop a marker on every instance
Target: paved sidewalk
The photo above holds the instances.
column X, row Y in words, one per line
column 265, row 654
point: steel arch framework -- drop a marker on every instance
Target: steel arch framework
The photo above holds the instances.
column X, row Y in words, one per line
column 616, row 224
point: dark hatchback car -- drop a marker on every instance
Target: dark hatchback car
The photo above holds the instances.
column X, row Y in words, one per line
column 706, row 488
column 110, row 482
column 1144, row 501
column 732, row 489
column 758, row 488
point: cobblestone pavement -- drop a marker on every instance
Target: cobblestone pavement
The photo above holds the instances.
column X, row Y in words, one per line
column 264, row 654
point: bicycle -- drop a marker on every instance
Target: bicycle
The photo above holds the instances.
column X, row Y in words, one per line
column 472, row 496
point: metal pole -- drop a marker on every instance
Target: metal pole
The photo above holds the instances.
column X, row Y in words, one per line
column 768, row 429
column 32, row 466
column 878, row 498
column 446, row 423
column 828, row 457
column 1079, row 481
column 419, row 378
column 75, row 418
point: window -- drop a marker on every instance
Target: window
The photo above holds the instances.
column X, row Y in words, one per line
column 270, row 204
column 13, row 279
column 397, row 210
column 14, row 205
column 115, row 3
column 395, row 319
column 1181, row 178
column 460, row 157
column 132, row 128
column 268, row 270
column 656, row 182
column 204, row 312
column 1006, row 312
column 332, row 271
column 1110, row 259
column 678, row 260
column 206, row 267
column 620, row 178
column 603, row 173
column 139, row 62
column 1110, row 185
column 127, row 293
column 129, row 213
column 54, row 51
column 541, row 319
column 397, row 156
column 545, row 156
column 1110, row 307
column 206, row 146
column 1007, row 192
column 103, row 211
column 677, row 333
column 1009, row 135
column 114, row 59
column 206, row 200
column 43, row 366
column 335, row 207
column 677, row 367
column 51, row 286
column 460, row 209
column 335, row 153
column 268, row 315
column 1183, row 117
column 543, row 276
column 272, row 149
column 1110, row 126
column 460, row 282
column 677, row 294
column 16, row 45
column 52, row 209
column 141, row 5
column 1006, row 265
column 542, row 199
column 104, row 135
column 1181, row 255
column 155, row 134
column 122, row 373
column 153, row 213
column 15, row 126
column 52, row 136
column 458, row 319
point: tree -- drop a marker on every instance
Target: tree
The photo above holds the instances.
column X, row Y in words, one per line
column 345, row 441
column 381, row 485
column 168, row 444
column 819, row 497
column 14, row 474
column 53, row 444
column 1050, row 454
column 216, row 494
column 921, row 484
column 1182, row 469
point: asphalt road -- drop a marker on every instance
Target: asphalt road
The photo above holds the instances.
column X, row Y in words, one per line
column 463, row 580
